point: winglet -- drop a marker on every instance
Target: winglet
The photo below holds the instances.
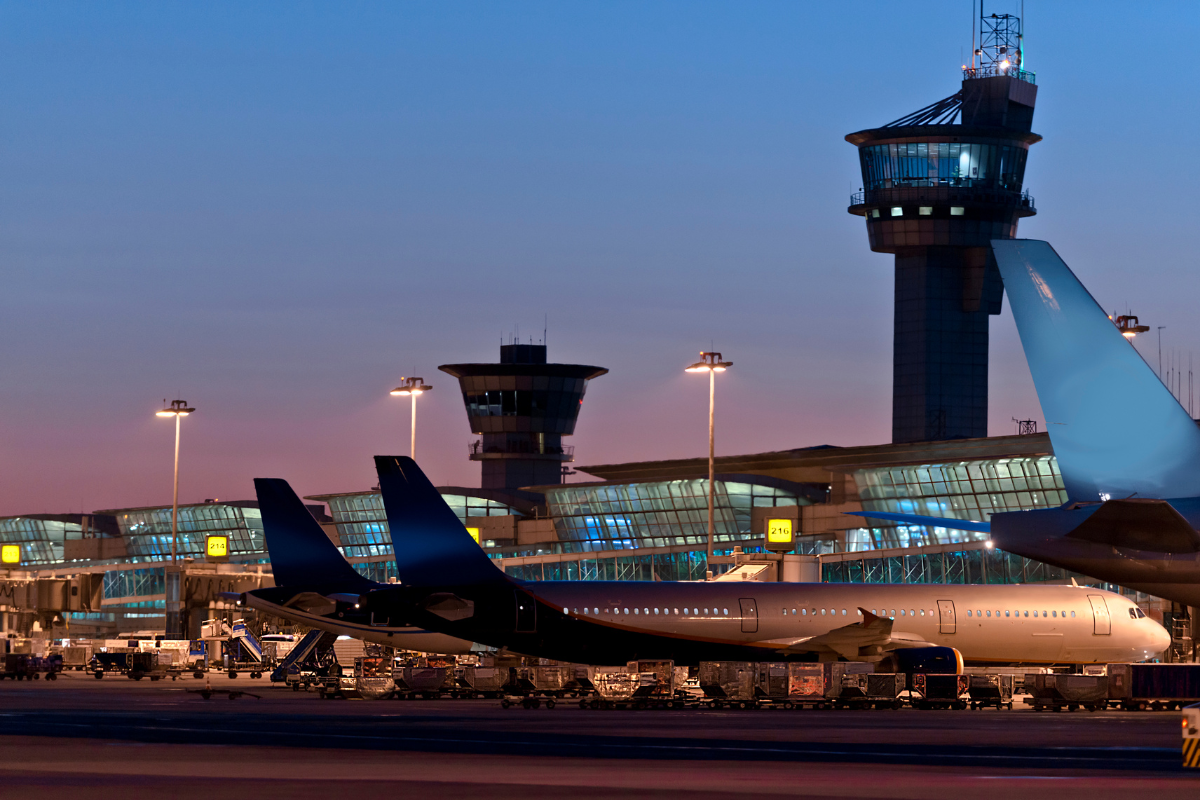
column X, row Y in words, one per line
column 432, row 546
column 300, row 552
column 868, row 618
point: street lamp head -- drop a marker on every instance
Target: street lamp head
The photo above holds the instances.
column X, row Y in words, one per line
column 709, row 362
column 177, row 408
column 410, row 386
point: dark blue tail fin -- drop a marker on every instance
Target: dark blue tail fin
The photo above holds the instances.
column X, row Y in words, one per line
column 432, row 546
column 301, row 554
column 1115, row 427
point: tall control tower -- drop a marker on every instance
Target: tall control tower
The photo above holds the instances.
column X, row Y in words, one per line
column 521, row 408
column 938, row 186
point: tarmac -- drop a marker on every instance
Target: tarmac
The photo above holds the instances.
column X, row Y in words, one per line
column 121, row 738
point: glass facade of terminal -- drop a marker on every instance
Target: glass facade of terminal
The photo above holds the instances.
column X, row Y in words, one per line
column 40, row 540
column 362, row 523
column 689, row 565
column 950, row 164
column 147, row 531
column 628, row 516
column 967, row 490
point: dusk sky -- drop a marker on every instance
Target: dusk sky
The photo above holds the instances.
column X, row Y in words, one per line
column 275, row 210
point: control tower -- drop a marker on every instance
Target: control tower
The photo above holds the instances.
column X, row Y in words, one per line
column 521, row 408
column 938, row 186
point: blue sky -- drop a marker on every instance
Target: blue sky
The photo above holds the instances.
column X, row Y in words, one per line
column 277, row 209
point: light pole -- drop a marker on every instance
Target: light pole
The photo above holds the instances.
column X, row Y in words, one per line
column 411, row 387
column 712, row 364
column 177, row 409
column 1160, row 330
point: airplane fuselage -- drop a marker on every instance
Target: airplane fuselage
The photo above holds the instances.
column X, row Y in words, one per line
column 604, row 622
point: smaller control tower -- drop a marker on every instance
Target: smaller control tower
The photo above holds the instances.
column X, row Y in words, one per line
column 522, row 407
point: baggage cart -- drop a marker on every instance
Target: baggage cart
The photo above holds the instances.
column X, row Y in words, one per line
column 551, row 681
column 871, row 690
column 76, row 657
column 940, row 690
column 426, row 683
column 663, row 690
column 1058, row 691
column 728, row 683
column 822, row 684
column 475, row 681
column 135, row 664
column 373, row 678
column 771, row 684
column 1156, row 687
column 623, row 689
column 20, row 667
column 990, row 691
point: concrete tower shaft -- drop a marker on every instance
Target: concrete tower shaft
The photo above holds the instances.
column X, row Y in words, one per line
column 938, row 186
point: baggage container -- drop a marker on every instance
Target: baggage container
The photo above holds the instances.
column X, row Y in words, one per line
column 1072, row 692
column 940, row 690
column 871, row 690
column 815, row 684
column 551, row 680
column 624, row 689
column 427, row 682
column 373, row 678
column 819, row 684
column 19, row 667
column 1153, row 686
column 76, row 657
column 485, row 681
column 664, row 676
column 990, row 690
column 728, row 682
column 771, row 682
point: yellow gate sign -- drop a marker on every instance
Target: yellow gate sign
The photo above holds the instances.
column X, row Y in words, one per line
column 217, row 547
column 780, row 534
column 474, row 534
column 10, row 554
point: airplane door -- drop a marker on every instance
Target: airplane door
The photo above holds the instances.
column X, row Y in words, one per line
column 526, row 613
column 749, row 615
column 1100, row 614
column 946, row 616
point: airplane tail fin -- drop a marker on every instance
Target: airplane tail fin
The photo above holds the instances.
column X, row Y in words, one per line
column 300, row 552
column 1116, row 429
column 432, row 546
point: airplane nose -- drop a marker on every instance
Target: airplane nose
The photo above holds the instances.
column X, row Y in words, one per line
column 1160, row 639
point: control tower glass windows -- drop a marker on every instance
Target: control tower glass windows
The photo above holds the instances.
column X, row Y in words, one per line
column 521, row 403
column 990, row 166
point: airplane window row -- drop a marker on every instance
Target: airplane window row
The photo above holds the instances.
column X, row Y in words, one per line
column 1044, row 614
column 647, row 611
column 912, row 612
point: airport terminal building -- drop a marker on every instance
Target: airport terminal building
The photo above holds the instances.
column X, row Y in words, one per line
column 642, row 521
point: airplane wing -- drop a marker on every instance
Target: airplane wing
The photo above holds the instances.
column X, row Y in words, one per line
column 852, row 641
column 918, row 519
